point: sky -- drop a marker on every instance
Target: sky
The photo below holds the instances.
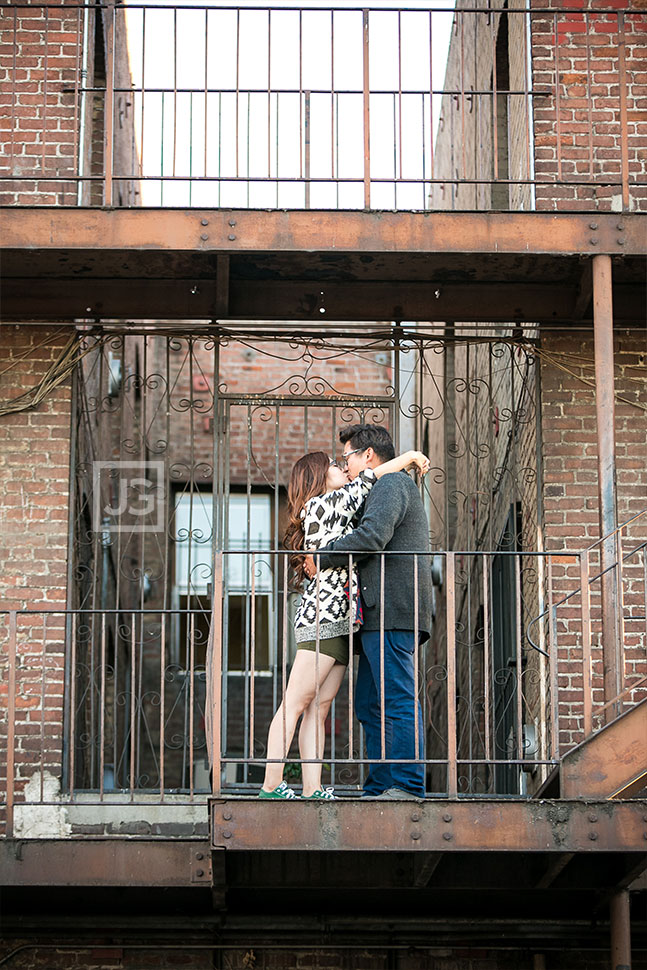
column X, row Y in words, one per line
column 219, row 148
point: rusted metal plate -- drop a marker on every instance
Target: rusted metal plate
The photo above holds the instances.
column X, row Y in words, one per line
column 607, row 763
column 105, row 862
column 430, row 826
column 233, row 231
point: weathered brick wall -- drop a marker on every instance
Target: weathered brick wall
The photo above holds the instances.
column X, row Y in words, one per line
column 572, row 132
column 46, row 115
column 34, row 489
column 579, row 127
column 483, row 136
column 571, row 501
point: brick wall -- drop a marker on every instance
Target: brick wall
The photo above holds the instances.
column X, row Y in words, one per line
column 571, row 501
column 572, row 132
column 46, row 114
column 34, row 489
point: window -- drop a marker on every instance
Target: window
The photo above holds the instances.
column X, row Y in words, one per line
column 248, row 528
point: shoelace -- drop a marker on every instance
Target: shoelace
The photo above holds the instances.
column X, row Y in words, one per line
column 289, row 793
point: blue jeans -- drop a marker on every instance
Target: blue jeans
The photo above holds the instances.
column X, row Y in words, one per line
column 400, row 703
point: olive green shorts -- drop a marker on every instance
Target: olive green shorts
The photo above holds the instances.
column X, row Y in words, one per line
column 336, row 647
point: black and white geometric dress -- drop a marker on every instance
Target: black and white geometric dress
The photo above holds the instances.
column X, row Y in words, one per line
column 325, row 518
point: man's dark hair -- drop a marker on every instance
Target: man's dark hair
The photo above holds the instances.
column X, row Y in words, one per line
column 363, row 436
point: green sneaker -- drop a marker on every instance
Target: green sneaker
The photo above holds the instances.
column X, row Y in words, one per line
column 281, row 791
column 325, row 793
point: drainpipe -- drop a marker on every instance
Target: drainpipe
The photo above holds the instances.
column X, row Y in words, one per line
column 84, row 104
column 612, row 648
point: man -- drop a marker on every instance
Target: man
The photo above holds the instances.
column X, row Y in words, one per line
column 392, row 519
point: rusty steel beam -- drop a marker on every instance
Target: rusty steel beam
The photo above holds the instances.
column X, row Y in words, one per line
column 612, row 648
column 606, row 764
column 247, row 230
column 429, row 826
column 105, row 862
column 620, row 919
column 198, row 299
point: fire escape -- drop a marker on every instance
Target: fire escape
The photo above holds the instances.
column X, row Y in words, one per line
column 178, row 229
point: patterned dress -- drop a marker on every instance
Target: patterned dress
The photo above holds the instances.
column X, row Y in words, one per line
column 326, row 518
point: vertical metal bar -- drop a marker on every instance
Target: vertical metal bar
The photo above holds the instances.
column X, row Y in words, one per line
column 269, row 95
column 495, row 109
column 332, row 94
column 605, row 415
column 350, row 654
column 11, row 720
column 300, row 93
column 143, row 94
column 14, row 92
column 206, row 93
column 43, row 689
column 431, row 95
column 367, row 118
column 174, row 89
column 382, row 691
column 416, row 657
column 72, row 716
column 306, row 137
column 526, row 96
column 216, row 674
column 624, row 128
column 620, row 631
column 45, row 92
column 587, row 685
column 109, row 104
column 400, row 93
column 553, row 659
column 252, row 655
column 519, row 655
column 620, row 925
column 462, row 21
column 191, row 695
column 558, row 106
column 163, row 705
column 237, row 84
column 133, row 681
column 489, row 752
column 452, row 740
column 77, row 75
column 589, row 99
column 102, row 707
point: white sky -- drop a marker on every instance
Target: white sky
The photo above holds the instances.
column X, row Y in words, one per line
column 190, row 133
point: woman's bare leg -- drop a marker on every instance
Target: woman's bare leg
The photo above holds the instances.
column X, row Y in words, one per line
column 313, row 728
column 299, row 693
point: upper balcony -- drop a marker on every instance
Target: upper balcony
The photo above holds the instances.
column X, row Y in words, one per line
column 336, row 108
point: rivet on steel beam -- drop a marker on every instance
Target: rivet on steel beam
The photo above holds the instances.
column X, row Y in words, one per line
column 199, row 872
column 204, row 237
column 226, row 834
column 447, row 818
column 415, row 817
column 204, row 222
column 231, row 238
column 620, row 226
column 593, row 836
column 232, row 222
column 415, row 835
column 447, row 836
column 621, row 242
column 593, row 225
column 199, row 855
column 593, row 241
column 593, row 818
column 226, row 816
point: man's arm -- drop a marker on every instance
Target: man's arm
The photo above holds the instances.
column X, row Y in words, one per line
column 385, row 508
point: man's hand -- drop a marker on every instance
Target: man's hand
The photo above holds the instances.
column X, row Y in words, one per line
column 309, row 566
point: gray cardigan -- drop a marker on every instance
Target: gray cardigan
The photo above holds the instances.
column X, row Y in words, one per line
column 393, row 518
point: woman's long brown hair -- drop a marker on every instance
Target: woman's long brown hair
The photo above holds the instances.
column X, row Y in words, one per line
column 308, row 478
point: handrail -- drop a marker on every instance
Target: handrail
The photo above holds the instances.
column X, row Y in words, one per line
column 592, row 579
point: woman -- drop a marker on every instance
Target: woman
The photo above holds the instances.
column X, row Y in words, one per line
column 321, row 505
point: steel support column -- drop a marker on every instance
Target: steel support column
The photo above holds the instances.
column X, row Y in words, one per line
column 620, row 931
column 605, row 415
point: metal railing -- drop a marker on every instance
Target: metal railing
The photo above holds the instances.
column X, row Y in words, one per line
column 96, row 713
column 322, row 107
